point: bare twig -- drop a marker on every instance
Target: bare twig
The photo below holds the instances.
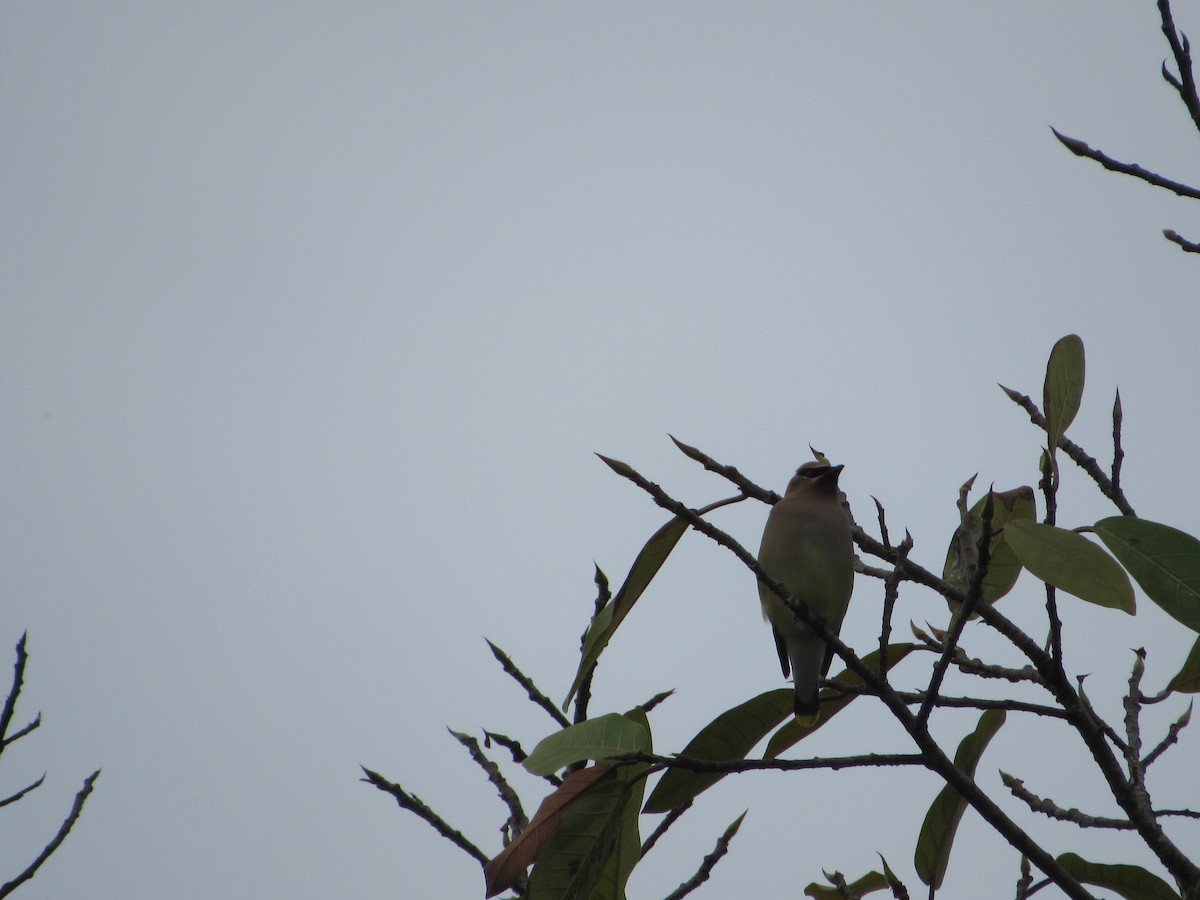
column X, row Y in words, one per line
column 706, row 866
column 1175, row 237
column 514, row 748
column 1048, row 807
column 1172, row 736
column 658, row 763
column 891, row 592
column 584, row 695
column 17, row 735
column 943, row 701
column 1049, row 486
column 526, row 682
column 962, row 614
column 416, row 806
column 1133, row 731
column 1079, row 148
column 1118, row 452
column 1185, row 84
column 1077, row 454
column 668, row 820
column 10, row 702
column 56, row 841
column 516, row 815
column 13, row 798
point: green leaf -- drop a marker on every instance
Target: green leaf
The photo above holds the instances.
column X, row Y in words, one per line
column 832, row 701
column 628, row 847
column 869, row 883
column 1131, row 882
column 1187, row 679
column 897, row 886
column 1063, row 390
column 597, row 738
column 643, row 570
column 730, row 736
column 1004, row 568
column 574, row 860
column 1072, row 563
column 941, row 822
column 1164, row 561
column 734, row 733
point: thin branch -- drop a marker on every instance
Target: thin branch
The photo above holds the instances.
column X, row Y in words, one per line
column 1077, row 454
column 10, row 703
column 1026, row 879
column 416, row 806
column 656, row 700
column 514, row 748
column 883, row 529
column 17, row 735
column 526, row 682
column 1175, row 237
column 916, row 697
column 1049, row 486
column 56, row 841
column 1185, row 84
column 516, row 815
column 891, row 592
column 1079, row 148
column 1048, row 807
column 733, row 766
column 1118, row 453
column 668, row 820
column 583, row 696
column 25, row 790
column 1186, row 813
column 708, row 863
column 1133, row 731
column 1172, row 736
column 741, row 482
column 963, row 613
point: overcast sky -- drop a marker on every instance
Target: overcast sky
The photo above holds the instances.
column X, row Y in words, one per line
column 313, row 316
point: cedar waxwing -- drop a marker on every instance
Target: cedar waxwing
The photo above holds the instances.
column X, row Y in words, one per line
column 806, row 545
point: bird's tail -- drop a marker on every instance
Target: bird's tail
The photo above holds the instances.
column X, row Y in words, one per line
column 807, row 655
column 808, row 710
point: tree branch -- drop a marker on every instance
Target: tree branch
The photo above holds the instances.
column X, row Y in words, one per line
column 416, row 806
column 1079, row 148
column 56, row 841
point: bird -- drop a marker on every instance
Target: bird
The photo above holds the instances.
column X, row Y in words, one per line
column 806, row 545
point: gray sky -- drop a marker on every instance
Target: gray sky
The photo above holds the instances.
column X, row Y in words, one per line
column 314, row 315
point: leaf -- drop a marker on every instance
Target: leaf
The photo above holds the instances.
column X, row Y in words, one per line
column 1003, row 568
column 941, row 822
column 730, row 736
column 1187, row 679
column 735, row 732
column 896, row 885
column 597, row 738
column 628, row 847
column 574, row 860
column 869, row 883
column 1164, row 561
column 1063, row 390
column 1131, row 882
column 832, row 701
column 1072, row 563
column 643, row 570
column 503, row 871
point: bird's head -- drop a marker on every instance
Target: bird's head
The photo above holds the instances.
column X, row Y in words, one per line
column 815, row 477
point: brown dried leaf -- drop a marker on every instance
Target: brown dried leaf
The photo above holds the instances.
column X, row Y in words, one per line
column 503, row 871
